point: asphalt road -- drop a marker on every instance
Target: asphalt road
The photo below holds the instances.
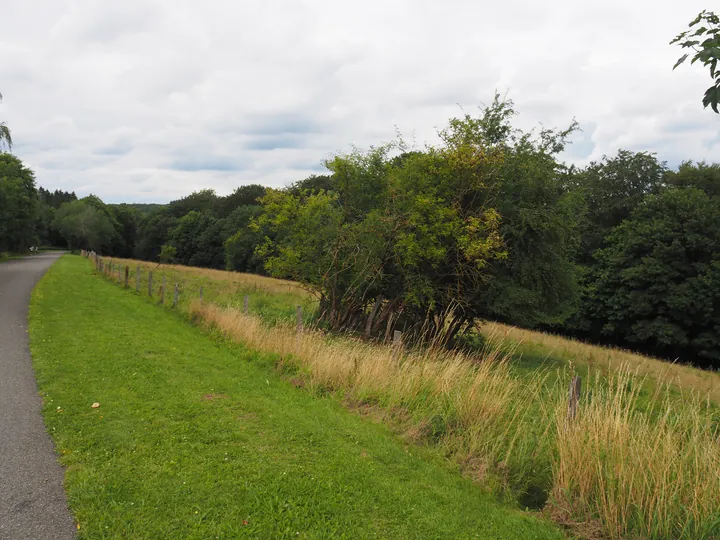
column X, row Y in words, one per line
column 32, row 499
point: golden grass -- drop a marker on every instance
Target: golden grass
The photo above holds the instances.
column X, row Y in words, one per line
column 653, row 474
column 657, row 474
column 260, row 283
column 707, row 383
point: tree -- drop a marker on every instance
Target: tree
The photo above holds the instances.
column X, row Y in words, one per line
column 413, row 240
column 657, row 284
column 242, row 196
column 204, row 200
column 153, row 232
column 5, row 138
column 536, row 282
column 196, row 239
column 85, row 226
column 19, row 205
column 705, row 42
column 125, row 219
column 612, row 188
column 700, row 175
column 167, row 254
column 241, row 240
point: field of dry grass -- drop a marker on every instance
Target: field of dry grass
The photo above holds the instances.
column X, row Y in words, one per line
column 604, row 359
column 623, row 468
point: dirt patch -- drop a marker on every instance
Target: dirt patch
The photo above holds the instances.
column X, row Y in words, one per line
column 418, row 433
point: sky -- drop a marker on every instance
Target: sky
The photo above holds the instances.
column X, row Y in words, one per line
column 149, row 100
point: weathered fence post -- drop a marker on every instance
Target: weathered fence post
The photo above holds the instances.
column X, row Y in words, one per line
column 137, row 279
column 397, row 344
column 150, row 283
column 175, row 295
column 127, row 276
column 201, row 298
column 246, row 302
column 162, row 290
column 575, row 386
column 298, row 310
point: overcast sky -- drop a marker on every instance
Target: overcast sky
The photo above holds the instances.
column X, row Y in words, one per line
column 149, row 100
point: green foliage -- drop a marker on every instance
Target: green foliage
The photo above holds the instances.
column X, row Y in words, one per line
column 85, row 225
column 535, row 283
column 167, row 254
column 612, row 188
column 153, row 232
column 19, row 205
column 54, row 199
column 240, row 245
column 204, row 200
column 701, row 175
column 125, row 219
column 197, row 240
column 5, row 137
column 430, row 241
column 705, row 42
column 657, row 284
column 243, row 196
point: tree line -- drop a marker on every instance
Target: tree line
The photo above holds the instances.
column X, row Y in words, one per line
column 487, row 224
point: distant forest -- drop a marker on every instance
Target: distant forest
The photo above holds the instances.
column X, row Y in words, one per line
column 488, row 224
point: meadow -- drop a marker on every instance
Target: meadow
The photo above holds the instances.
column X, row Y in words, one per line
column 196, row 436
column 641, row 459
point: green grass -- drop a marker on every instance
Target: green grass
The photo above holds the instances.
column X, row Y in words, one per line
column 6, row 256
column 198, row 438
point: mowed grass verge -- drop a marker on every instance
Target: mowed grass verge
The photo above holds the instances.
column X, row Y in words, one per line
column 196, row 437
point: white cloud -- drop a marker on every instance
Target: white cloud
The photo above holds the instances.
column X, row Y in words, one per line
column 149, row 100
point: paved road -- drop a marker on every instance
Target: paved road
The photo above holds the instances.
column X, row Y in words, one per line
column 32, row 499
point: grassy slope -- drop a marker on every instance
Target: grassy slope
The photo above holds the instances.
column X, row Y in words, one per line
column 275, row 300
column 198, row 438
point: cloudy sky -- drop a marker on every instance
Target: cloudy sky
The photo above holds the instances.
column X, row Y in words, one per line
column 149, row 100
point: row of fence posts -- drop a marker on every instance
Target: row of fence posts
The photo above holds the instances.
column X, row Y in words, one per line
column 397, row 345
column 109, row 269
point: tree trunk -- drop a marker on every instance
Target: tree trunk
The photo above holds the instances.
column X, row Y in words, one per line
column 371, row 317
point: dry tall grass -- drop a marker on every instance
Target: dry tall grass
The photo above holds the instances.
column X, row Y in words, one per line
column 656, row 473
column 260, row 283
column 615, row 471
column 612, row 359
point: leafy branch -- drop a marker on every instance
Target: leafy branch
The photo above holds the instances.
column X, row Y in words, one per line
column 705, row 42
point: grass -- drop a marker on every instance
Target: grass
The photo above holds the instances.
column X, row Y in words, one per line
column 7, row 256
column 274, row 300
column 534, row 349
column 199, row 437
column 622, row 468
column 641, row 459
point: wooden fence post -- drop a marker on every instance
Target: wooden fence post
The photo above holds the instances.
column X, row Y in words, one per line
column 137, row 279
column 397, row 344
column 175, row 295
column 201, row 298
column 298, row 310
column 574, row 397
column 246, row 302
column 150, row 283
column 162, row 290
column 127, row 276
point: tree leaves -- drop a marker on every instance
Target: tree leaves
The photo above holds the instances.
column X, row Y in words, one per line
column 707, row 52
